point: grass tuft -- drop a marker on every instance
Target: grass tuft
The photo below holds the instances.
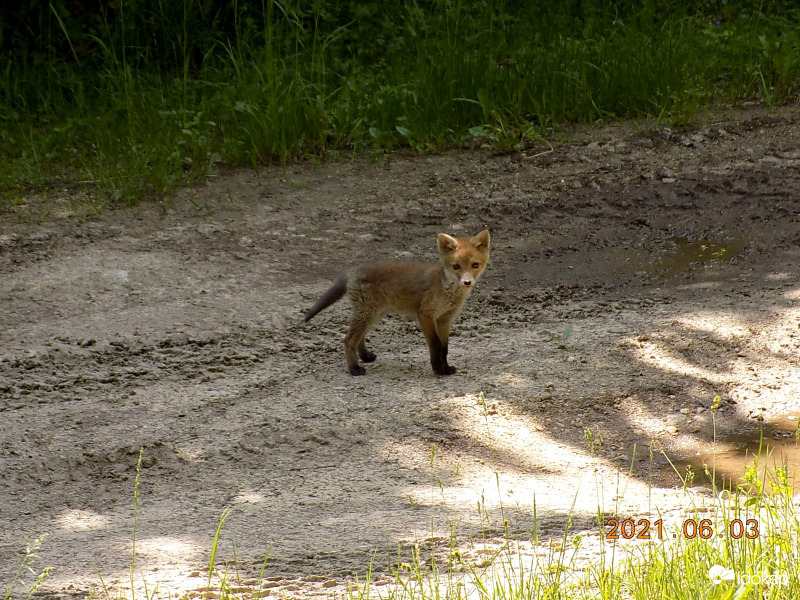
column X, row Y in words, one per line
column 26, row 580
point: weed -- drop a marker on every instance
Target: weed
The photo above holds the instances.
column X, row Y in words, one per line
column 25, row 570
column 214, row 547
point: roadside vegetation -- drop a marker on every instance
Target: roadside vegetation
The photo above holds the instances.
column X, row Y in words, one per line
column 124, row 101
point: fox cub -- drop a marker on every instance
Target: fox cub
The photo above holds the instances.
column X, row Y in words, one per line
column 433, row 294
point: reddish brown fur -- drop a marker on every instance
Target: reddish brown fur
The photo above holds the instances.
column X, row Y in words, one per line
column 433, row 294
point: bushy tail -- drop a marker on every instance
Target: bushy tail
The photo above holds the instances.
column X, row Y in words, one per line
column 334, row 293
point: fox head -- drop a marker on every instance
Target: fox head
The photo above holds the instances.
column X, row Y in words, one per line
column 463, row 258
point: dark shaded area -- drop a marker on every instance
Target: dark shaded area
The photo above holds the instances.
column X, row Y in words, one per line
column 171, row 32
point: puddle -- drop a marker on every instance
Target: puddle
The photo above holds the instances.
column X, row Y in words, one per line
column 774, row 445
column 685, row 255
column 642, row 260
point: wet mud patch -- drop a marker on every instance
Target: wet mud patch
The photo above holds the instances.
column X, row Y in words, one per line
column 636, row 275
column 723, row 462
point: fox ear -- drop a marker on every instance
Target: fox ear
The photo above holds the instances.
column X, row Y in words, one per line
column 481, row 240
column 447, row 243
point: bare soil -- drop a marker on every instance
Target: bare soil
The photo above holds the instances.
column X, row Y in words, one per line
column 637, row 272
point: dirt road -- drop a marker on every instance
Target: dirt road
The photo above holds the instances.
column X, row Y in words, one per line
column 636, row 274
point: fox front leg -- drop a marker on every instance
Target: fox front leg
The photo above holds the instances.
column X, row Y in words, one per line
column 438, row 349
column 443, row 331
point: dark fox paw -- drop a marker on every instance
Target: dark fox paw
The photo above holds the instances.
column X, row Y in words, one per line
column 356, row 370
column 446, row 370
column 368, row 357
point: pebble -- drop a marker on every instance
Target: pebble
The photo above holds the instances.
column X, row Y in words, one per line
column 674, row 420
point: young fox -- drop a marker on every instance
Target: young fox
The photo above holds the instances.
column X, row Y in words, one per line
column 433, row 294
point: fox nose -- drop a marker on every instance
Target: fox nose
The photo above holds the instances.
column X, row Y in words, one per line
column 467, row 282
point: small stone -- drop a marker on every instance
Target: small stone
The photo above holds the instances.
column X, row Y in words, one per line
column 674, row 420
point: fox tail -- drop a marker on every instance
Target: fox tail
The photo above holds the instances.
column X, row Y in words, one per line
column 334, row 293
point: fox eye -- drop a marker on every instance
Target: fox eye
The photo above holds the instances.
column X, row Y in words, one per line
column 456, row 267
column 476, row 265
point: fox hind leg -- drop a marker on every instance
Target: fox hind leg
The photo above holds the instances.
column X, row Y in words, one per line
column 354, row 345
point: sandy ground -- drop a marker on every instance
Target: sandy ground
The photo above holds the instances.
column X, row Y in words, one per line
column 636, row 274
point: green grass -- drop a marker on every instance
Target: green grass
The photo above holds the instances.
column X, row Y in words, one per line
column 125, row 105
column 27, row 578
